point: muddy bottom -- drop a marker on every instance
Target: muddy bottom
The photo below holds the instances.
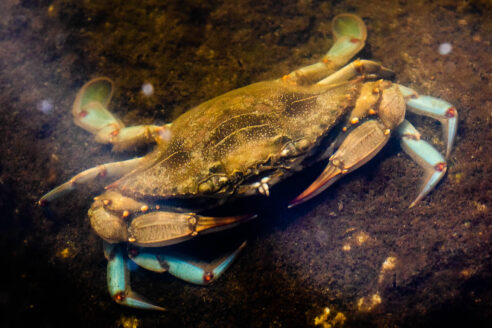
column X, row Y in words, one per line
column 357, row 249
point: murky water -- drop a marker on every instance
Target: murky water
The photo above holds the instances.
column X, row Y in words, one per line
column 356, row 249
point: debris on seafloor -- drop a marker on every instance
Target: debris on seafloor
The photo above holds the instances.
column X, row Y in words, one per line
column 128, row 322
column 368, row 303
column 327, row 321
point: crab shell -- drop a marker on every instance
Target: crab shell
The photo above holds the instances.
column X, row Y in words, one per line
column 225, row 146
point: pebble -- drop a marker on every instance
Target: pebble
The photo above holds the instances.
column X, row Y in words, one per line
column 462, row 22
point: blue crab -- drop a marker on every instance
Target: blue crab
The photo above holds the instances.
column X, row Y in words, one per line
column 239, row 145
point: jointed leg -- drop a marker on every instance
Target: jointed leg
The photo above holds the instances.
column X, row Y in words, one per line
column 425, row 155
column 433, row 163
column 362, row 68
column 349, row 32
column 364, row 142
column 436, row 108
column 90, row 113
column 118, row 278
column 193, row 270
column 111, row 170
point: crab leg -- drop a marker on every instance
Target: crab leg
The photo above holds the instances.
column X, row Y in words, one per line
column 118, row 278
column 349, row 33
column 90, row 113
column 425, row 155
column 358, row 148
column 187, row 268
column 436, row 108
column 111, row 170
column 364, row 68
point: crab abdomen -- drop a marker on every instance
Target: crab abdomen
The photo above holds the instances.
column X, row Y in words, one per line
column 223, row 142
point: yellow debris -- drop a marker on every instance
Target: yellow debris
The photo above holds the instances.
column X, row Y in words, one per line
column 64, row 253
column 480, row 207
column 376, row 299
column 349, row 230
column 128, row 322
column 366, row 304
column 361, row 238
column 323, row 317
column 325, row 321
column 51, row 11
column 389, row 263
column 457, row 177
column 467, row 273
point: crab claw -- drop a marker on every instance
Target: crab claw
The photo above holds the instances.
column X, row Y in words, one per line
column 362, row 144
column 329, row 176
column 118, row 278
column 167, row 228
column 350, row 34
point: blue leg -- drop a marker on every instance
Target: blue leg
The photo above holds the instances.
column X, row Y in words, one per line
column 118, row 278
column 425, row 155
column 183, row 266
column 436, row 108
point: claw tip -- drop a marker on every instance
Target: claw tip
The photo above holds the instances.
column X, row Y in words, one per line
column 415, row 202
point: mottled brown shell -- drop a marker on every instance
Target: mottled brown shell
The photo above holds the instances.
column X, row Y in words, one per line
column 217, row 146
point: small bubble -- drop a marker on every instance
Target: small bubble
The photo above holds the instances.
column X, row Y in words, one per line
column 445, row 48
column 45, row 106
column 147, row 89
